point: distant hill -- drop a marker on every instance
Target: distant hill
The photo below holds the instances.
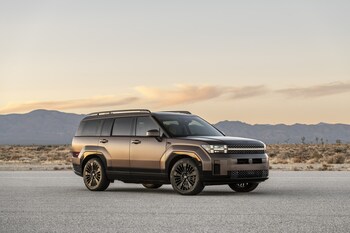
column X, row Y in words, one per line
column 276, row 134
column 43, row 127
column 38, row 127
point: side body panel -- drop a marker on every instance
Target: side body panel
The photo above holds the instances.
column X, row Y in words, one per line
column 118, row 148
column 146, row 155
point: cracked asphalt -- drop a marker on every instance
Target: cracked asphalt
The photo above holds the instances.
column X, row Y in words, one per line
column 57, row 201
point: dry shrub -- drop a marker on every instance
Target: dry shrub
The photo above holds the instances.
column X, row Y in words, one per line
column 60, row 148
column 340, row 149
column 312, row 161
column 278, row 161
column 336, row 159
column 296, row 160
column 316, row 155
column 325, row 167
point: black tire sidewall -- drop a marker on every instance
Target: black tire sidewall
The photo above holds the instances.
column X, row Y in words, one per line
column 152, row 186
column 198, row 186
column 104, row 181
column 249, row 188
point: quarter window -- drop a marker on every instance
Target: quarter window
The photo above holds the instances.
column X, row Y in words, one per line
column 90, row 128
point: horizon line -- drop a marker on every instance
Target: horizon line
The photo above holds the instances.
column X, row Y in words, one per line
column 244, row 122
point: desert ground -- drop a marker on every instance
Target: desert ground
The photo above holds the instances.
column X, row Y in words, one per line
column 290, row 157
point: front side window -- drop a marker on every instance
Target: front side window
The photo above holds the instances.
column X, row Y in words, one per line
column 145, row 124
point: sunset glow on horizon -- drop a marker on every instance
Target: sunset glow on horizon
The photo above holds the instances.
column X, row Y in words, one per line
column 257, row 62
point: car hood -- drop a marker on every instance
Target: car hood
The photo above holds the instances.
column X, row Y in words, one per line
column 225, row 140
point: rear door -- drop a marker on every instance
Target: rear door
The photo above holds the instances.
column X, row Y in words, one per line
column 115, row 137
column 146, row 152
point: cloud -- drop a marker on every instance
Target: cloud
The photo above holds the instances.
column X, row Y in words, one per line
column 248, row 91
column 179, row 94
column 184, row 94
column 94, row 102
column 317, row 90
column 158, row 97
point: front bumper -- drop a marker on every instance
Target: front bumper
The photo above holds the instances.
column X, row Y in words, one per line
column 210, row 179
column 237, row 168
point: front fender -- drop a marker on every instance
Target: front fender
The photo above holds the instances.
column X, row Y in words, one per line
column 194, row 152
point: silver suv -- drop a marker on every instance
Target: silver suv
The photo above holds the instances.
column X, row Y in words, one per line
column 156, row 148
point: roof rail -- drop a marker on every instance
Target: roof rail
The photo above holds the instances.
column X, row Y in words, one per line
column 184, row 112
column 119, row 111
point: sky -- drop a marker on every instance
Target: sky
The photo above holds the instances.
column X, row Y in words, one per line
column 252, row 61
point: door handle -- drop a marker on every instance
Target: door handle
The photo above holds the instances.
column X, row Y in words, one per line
column 103, row 140
column 135, row 141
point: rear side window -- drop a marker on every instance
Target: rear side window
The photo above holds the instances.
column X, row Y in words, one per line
column 123, row 126
column 90, row 128
column 107, row 127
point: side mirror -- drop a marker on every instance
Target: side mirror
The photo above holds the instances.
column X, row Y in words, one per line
column 153, row 133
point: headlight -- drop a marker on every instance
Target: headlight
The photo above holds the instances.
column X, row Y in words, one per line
column 212, row 149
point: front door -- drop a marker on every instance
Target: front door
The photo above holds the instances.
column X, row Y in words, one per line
column 146, row 152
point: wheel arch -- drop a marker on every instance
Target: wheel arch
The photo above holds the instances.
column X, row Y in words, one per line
column 176, row 156
column 91, row 155
column 176, row 152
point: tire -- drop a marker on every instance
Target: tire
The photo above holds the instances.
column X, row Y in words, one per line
column 94, row 175
column 186, row 177
column 152, row 186
column 243, row 187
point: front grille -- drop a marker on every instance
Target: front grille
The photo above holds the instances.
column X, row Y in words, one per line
column 246, row 149
column 250, row 174
column 245, row 152
column 245, row 146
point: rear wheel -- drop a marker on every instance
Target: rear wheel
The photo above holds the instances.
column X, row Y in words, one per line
column 185, row 177
column 94, row 175
column 243, row 187
column 152, row 186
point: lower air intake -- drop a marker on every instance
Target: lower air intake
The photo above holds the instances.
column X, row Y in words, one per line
column 250, row 174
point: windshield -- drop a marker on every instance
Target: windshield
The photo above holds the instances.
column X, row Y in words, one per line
column 183, row 126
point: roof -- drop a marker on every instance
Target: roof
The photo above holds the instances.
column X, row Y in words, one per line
column 131, row 112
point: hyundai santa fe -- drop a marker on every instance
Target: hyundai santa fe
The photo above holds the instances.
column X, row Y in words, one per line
column 157, row 148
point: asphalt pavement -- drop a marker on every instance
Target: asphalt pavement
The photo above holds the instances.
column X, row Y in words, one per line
column 57, row 201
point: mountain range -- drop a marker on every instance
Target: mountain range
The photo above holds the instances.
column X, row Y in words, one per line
column 42, row 127
column 46, row 127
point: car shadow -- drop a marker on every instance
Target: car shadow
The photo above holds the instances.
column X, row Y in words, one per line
column 171, row 191
column 139, row 190
column 212, row 192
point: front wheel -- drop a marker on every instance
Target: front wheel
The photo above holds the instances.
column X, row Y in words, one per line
column 94, row 175
column 243, row 187
column 185, row 177
column 152, row 186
